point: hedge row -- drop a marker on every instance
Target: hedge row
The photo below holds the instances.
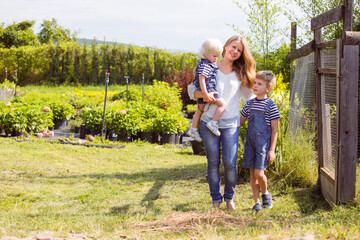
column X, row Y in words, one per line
column 71, row 63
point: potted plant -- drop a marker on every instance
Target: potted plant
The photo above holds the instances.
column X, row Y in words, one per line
column 14, row 120
column 92, row 118
column 38, row 118
column 62, row 112
column 169, row 124
column 124, row 122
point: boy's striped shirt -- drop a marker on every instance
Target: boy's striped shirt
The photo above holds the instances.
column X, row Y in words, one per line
column 271, row 114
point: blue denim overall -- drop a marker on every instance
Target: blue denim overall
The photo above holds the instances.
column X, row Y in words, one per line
column 258, row 138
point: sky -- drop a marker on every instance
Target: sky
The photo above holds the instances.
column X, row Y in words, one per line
column 167, row 24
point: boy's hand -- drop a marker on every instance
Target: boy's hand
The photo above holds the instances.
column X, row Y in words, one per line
column 270, row 157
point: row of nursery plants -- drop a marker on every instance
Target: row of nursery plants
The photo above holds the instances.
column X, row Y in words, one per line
column 72, row 63
column 128, row 112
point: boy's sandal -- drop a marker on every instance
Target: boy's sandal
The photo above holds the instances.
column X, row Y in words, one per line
column 266, row 200
column 257, row 207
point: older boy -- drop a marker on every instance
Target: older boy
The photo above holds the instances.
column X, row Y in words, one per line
column 259, row 150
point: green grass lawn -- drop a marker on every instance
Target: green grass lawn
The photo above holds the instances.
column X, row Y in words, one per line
column 146, row 191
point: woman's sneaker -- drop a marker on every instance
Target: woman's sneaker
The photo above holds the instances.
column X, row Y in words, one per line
column 266, row 200
column 214, row 128
column 194, row 134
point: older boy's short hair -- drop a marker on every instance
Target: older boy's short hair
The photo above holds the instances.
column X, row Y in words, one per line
column 267, row 76
column 211, row 45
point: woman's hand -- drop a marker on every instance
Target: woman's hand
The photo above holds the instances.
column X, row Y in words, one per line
column 210, row 98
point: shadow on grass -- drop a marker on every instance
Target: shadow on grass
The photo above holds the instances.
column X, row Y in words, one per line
column 157, row 175
column 309, row 199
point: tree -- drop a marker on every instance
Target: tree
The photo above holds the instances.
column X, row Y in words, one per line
column 264, row 31
column 18, row 34
column 305, row 10
column 51, row 31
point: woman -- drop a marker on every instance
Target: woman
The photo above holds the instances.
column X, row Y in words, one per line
column 234, row 79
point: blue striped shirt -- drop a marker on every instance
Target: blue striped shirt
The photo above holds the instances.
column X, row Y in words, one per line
column 271, row 114
column 205, row 68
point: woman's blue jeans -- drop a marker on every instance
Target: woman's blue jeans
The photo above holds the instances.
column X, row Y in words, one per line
column 229, row 140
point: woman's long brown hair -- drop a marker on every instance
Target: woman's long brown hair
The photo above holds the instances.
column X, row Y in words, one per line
column 244, row 66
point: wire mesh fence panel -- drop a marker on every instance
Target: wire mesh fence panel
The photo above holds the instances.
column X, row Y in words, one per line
column 303, row 95
column 329, row 106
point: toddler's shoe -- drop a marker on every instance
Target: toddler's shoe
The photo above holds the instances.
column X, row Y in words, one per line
column 266, row 200
column 194, row 134
column 214, row 128
column 257, row 207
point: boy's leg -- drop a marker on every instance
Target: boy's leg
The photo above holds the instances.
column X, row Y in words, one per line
column 221, row 106
column 254, row 186
column 261, row 179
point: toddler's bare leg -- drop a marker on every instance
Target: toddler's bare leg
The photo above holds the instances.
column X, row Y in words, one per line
column 197, row 115
column 221, row 106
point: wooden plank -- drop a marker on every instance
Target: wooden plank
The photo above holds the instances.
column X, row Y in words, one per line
column 327, row 70
column 329, row 17
column 326, row 44
column 329, row 175
column 348, row 124
column 339, row 51
column 327, row 187
column 317, row 62
column 303, row 51
column 352, row 38
column 347, row 16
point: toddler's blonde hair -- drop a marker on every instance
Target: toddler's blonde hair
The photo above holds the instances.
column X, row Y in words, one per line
column 211, row 45
column 266, row 76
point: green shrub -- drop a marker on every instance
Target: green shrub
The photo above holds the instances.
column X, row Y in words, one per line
column 92, row 117
column 62, row 110
column 132, row 95
column 299, row 166
column 79, row 98
column 38, row 118
column 123, row 120
column 13, row 118
column 170, row 122
column 162, row 95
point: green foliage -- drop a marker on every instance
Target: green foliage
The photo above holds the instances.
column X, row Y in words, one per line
column 264, row 30
column 170, row 122
column 71, row 63
column 51, row 31
column 305, row 10
column 92, row 117
column 299, row 164
column 122, row 119
column 13, row 117
column 80, row 98
column 37, row 118
column 132, row 95
column 162, row 95
column 18, row 34
column 62, row 110
column 191, row 108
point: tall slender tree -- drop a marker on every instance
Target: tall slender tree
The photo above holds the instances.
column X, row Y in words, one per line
column 264, row 32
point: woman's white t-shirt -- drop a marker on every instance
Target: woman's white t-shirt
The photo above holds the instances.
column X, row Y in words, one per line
column 229, row 88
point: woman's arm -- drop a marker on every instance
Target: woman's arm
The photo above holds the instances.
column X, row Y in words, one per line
column 246, row 93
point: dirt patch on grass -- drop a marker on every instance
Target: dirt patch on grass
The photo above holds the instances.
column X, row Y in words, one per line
column 183, row 221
